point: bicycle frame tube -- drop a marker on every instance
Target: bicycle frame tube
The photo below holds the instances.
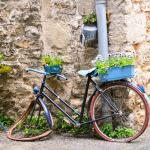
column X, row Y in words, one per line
column 80, row 114
column 108, row 100
column 61, row 100
column 84, row 99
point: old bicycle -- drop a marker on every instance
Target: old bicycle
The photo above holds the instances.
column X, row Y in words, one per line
column 127, row 110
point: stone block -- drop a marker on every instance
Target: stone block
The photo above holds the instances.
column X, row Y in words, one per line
column 119, row 6
column 117, row 30
column 3, row 5
column 2, row 31
column 143, row 53
column 86, row 6
column 135, row 27
column 134, row 1
column 148, row 22
column 136, row 7
column 148, row 37
column 65, row 6
column 145, row 6
column 56, row 35
column 32, row 32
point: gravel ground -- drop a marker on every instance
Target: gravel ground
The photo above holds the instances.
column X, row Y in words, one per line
column 59, row 142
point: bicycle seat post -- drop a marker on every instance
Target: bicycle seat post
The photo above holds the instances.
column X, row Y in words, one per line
column 84, row 98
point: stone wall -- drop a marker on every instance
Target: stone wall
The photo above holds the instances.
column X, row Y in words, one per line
column 129, row 30
column 20, row 29
column 29, row 28
column 61, row 26
column 139, row 38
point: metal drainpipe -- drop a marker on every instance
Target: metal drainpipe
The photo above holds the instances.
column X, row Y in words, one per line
column 103, row 44
column 102, row 28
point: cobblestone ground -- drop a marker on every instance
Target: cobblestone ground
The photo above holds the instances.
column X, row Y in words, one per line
column 57, row 142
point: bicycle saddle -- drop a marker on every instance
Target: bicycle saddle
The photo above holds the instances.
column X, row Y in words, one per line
column 86, row 73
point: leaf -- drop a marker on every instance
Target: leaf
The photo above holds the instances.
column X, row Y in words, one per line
column 1, row 56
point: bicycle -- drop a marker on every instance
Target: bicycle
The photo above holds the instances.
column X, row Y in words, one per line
column 119, row 123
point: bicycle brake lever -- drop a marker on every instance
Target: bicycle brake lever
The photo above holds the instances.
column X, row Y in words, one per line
column 61, row 77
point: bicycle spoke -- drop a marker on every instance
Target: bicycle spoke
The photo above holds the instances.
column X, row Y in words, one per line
column 38, row 117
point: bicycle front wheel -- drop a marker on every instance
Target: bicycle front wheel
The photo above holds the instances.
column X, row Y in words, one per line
column 33, row 125
column 129, row 121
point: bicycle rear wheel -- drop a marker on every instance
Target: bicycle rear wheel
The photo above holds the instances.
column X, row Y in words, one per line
column 131, row 119
column 34, row 124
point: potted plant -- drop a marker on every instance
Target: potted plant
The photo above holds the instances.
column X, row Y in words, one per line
column 4, row 69
column 90, row 19
column 115, row 68
column 52, row 65
column 89, row 29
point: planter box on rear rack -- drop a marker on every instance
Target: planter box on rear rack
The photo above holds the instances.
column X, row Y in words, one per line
column 118, row 73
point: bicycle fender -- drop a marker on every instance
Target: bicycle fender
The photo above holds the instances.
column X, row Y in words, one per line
column 47, row 113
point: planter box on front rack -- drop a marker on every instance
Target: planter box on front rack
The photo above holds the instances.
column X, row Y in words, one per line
column 118, row 73
column 53, row 69
column 52, row 65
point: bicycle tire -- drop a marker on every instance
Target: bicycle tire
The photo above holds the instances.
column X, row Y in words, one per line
column 21, row 125
column 125, row 128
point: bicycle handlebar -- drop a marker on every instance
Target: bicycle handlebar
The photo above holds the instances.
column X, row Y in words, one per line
column 37, row 71
column 59, row 76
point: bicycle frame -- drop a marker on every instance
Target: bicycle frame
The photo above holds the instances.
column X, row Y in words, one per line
column 80, row 114
column 108, row 95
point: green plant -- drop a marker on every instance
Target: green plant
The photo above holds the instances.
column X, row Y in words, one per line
column 60, row 123
column 51, row 61
column 90, row 18
column 31, row 130
column 119, row 132
column 6, row 121
column 103, row 66
column 1, row 56
column 4, row 69
column 62, row 126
